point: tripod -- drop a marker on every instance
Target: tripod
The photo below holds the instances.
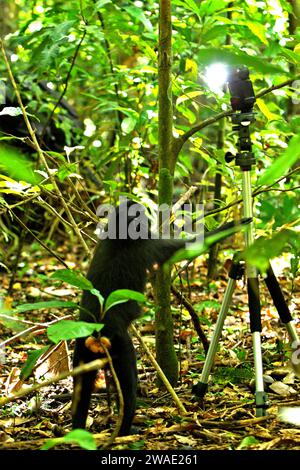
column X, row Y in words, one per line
column 242, row 101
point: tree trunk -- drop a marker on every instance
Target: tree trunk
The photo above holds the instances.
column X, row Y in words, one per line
column 165, row 351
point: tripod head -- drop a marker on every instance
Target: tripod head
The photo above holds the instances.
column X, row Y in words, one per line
column 242, row 100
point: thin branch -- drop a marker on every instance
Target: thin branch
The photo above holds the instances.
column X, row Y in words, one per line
column 49, row 208
column 31, row 329
column 185, row 197
column 159, row 371
column 179, row 141
column 193, row 315
column 7, row 207
column 82, row 203
column 83, row 369
column 40, row 242
column 277, row 87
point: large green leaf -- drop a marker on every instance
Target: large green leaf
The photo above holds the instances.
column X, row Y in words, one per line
column 237, row 58
column 197, row 249
column 258, row 30
column 43, row 305
column 123, row 295
column 16, row 165
column 75, row 278
column 263, row 249
column 68, row 329
column 282, row 163
column 79, row 436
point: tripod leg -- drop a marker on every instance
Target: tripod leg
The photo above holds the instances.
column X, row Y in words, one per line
column 201, row 387
column 254, row 301
column 255, row 325
column 280, row 304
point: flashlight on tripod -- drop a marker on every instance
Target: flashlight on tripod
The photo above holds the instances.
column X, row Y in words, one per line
column 242, row 99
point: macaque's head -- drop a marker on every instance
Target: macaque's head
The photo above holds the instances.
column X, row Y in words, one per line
column 128, row 221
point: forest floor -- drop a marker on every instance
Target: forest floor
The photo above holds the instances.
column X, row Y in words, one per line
column 225, row 421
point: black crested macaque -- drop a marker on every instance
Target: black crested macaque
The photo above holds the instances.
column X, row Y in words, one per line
column 120, row 261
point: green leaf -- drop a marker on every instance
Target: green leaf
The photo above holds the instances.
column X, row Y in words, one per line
column 187, row 113
column 197, row 249
column 61, row 30
column 139, row 15
column 248, row 441
column 16, row 165
column 79, row 436
column 48, row 56
column 191, row 66
column 14, row 325
column 66, row 170
column 208, row 7
column 188, row 96
column 223, row 375
column 264, row 249
column 68, row 329
column 213, row 33
column 98, row 295
column 259, row 30
column 100, row 3
column 265, row 110
column 138, row 445
column 189, row 5
column 128, row 124
column 121, row 296
column 291, row 56
column 207, row 304
column 74, row 278
column 32, row 358
column 43, row 305
column 282, row 163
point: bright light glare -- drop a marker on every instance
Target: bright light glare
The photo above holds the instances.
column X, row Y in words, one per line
column 216, row 76
column 290, row 415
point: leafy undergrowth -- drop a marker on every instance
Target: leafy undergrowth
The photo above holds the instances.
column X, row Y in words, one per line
column 226, row 419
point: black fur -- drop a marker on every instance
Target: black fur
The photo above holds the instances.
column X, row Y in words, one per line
column 117, row 264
